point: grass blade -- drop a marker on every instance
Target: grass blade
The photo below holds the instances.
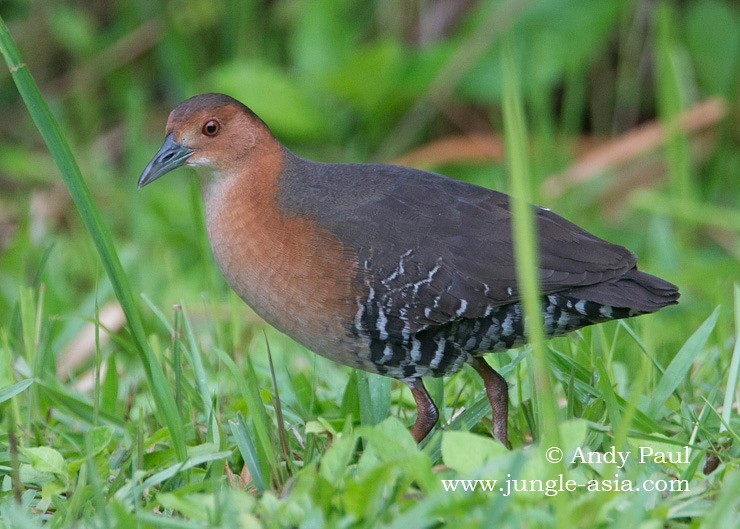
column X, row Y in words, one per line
column 248, row 450
column 15, row 389
column 681, row 364
column 249, row 385
column 527, row 264
column 201, row 377
column 525, row 243
column 76, row 406
column 278, row 406
column 65, row 161
column 734, row 370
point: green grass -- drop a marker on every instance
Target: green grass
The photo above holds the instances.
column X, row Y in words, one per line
column 197, row 414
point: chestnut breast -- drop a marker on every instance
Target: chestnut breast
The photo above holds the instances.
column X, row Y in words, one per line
column 295, row 274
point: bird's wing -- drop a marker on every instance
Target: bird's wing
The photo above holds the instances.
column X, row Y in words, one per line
column 432, row 249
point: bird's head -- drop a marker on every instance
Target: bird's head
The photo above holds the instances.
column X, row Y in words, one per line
column 214, row 131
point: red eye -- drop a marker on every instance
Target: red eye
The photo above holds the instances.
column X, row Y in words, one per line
column 211, row 128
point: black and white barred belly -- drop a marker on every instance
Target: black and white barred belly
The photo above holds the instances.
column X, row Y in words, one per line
column 443, row 350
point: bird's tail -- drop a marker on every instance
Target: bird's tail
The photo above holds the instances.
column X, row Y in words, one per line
column 635, row 290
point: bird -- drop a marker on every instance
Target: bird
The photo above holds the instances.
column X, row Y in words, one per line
column 388, row 269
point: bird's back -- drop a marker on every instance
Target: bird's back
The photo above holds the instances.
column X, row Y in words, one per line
column 435, row 258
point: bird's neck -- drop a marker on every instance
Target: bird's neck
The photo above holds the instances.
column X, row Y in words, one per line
column 252, row 176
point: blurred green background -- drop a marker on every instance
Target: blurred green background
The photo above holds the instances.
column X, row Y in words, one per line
column 414, row 82
column 357, row 81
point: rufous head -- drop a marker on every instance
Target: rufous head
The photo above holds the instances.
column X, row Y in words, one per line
column 209, row 130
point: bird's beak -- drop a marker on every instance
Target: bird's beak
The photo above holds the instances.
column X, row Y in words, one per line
column 170, row 156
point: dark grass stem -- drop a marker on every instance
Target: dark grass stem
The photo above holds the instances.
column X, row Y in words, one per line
column 278, row 410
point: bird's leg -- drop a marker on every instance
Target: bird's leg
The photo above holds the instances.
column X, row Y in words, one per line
column 498, row 395
column 426, row 411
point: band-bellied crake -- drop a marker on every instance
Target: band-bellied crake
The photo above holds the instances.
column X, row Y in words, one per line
column 388, row 269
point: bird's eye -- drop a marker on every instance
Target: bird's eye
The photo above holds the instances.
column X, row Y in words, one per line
column 211, row 127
